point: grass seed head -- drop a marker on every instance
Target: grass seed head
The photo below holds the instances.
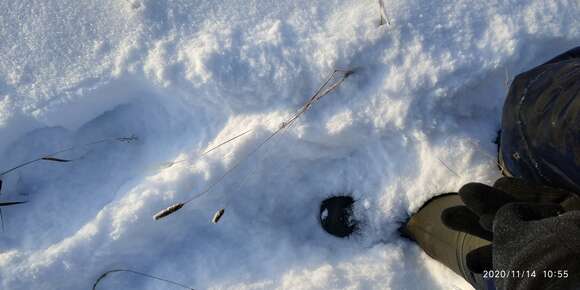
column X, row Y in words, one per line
column 218, row 215
column 168, row 211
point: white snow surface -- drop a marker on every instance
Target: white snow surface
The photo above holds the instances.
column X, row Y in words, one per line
column 185, row 75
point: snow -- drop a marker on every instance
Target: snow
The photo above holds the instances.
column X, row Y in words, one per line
column 324, row 215
column 186, row 75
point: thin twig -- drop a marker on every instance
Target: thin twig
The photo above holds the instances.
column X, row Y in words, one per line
column 138, row 273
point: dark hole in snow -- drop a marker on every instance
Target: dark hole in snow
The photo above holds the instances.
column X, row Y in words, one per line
column 336, row 216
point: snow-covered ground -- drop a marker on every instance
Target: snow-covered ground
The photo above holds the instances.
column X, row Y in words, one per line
column 184, row 75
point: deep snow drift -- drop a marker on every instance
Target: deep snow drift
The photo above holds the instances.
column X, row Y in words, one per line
column 185, row 75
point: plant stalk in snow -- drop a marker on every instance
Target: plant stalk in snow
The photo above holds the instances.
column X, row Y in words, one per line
column 140, row 274
column 331, row 84
column 50, row 157
column 171, row 163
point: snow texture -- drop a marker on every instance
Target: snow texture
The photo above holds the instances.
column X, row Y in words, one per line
column 184, row 75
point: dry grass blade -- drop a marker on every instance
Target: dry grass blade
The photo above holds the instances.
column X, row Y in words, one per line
column 168, row 211
column 171, row 163
column 140, row 274
column 50, row 157
column 226, row 142
column 329, row 86
column 9, row 203
column 448, row 168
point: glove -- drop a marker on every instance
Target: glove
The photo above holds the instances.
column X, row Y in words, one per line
column 513, row 214
column 538, row 238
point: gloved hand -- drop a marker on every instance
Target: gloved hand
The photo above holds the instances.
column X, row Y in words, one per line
column 522, row 221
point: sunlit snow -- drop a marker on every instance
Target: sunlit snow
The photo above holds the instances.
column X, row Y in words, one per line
column 186, row 75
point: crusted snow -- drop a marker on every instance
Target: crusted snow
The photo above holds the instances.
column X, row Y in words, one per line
column 186, row 75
